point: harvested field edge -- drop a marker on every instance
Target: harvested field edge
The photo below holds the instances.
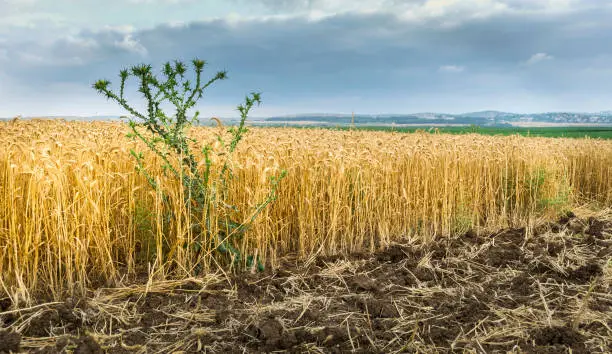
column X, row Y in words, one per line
column 508, row 291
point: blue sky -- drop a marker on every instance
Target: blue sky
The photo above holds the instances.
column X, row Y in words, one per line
column 305, row 56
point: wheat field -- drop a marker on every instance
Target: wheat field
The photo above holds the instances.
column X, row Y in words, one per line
column 74, row 213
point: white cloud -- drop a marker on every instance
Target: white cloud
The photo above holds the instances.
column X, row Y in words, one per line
column 537, row 58
column 451, row 68
column 129, row 44
column 120, row 28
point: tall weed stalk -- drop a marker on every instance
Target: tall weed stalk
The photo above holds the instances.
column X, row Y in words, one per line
column 166, row 135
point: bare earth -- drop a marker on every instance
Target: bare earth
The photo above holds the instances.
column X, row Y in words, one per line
column 502, row 292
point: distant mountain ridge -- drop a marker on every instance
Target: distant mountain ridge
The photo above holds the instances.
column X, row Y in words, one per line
column 477, row 118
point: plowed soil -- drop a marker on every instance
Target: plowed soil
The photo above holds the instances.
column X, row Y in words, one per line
column 548, row 291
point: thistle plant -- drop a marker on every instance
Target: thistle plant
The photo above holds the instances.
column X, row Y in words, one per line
column 166, row 136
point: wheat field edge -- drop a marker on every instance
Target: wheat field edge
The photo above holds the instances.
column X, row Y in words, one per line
column 74, row 212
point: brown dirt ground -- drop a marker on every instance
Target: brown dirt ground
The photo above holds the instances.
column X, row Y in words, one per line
column 503, row 292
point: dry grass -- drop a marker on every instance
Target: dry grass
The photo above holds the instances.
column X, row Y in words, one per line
column 75, row 214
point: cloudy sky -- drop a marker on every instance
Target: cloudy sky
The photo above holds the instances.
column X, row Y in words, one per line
column 305, row 56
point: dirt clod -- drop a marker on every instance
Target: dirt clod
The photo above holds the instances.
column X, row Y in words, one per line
column 586, row 272
column 87, row 345
column 5, row 304
column 332, row 336
column 576, row 226
column 566, row 218
column 270, row 331
column 378, row 309
column 558, row 336
column 134, row 338
column 595, row 228
column 363, row 283
column 521, row 285
column 501, row 256
column 9, row 342
column 392, row 254
column 441, row 335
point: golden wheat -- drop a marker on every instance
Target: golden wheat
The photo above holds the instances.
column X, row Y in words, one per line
column 75, row 213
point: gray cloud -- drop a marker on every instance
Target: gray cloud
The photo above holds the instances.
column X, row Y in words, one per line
column 377, row 61
column 428, row 8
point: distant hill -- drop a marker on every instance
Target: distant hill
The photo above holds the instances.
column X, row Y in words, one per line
column 493, row 118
